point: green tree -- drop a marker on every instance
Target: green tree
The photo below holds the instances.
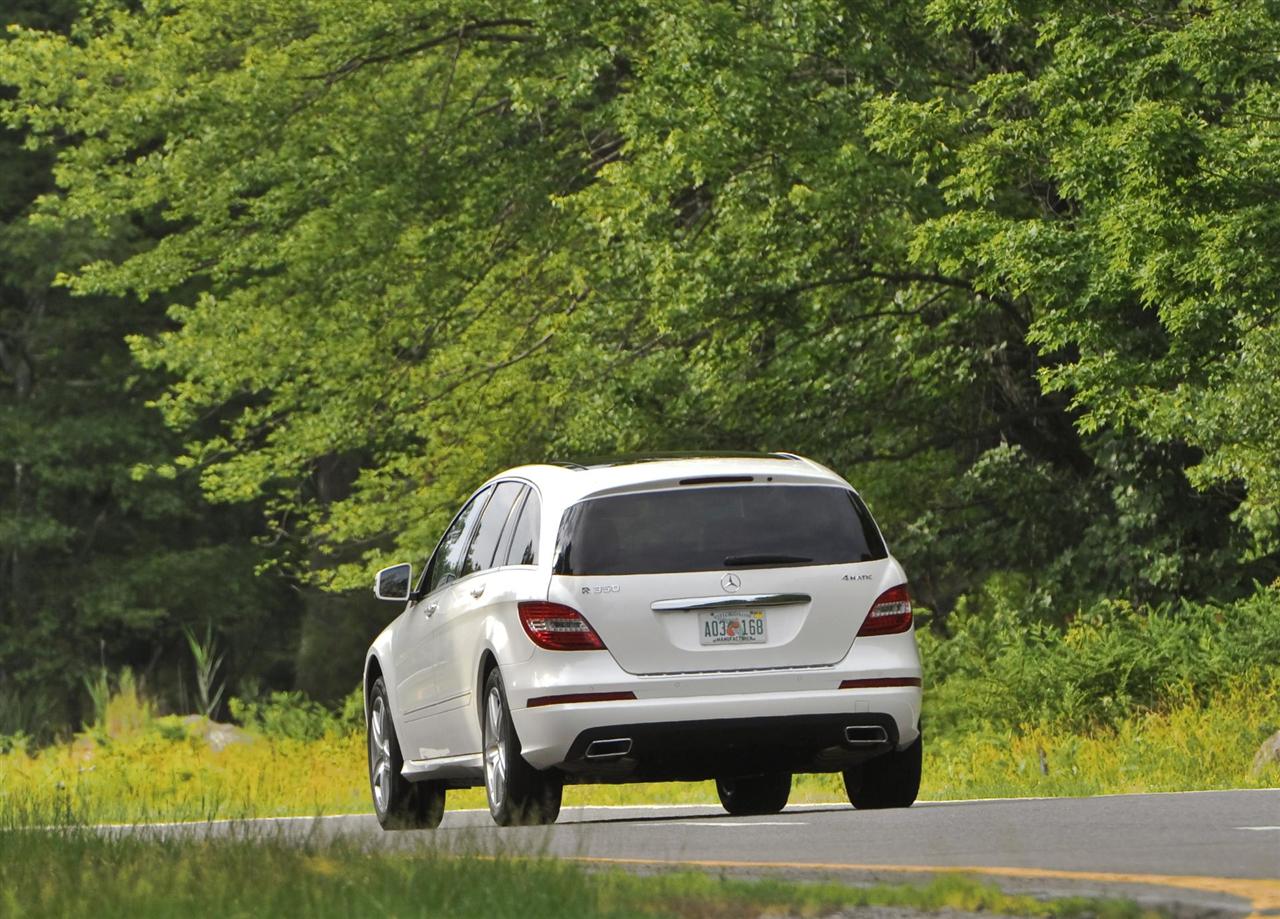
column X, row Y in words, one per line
column 97, row 566
column 1112, row 167
column 407, row 247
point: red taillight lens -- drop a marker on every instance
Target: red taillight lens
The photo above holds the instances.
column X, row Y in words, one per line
column 891, row 613
column 557, row 627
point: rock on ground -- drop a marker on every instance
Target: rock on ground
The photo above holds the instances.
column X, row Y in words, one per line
column 217, row 735
column 1268, row 754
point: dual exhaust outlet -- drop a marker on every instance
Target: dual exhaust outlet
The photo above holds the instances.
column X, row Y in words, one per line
column 865, row 734
column 854, row 734
column 609, row 749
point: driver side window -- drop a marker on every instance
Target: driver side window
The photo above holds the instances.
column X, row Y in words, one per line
column 447, row 559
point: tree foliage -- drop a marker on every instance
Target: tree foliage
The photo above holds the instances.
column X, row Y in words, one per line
column 1119, row 179
column 1007, row 266
column 97, row 566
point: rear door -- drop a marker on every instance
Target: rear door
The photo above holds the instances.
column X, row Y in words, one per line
column 725, row 577
column 415, row 646
column 459, row 624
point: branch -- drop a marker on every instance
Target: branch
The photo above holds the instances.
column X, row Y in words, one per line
column 480, row 30
column 913, row 277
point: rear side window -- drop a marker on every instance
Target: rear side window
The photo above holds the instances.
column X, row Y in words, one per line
column 709, row 529
column 524, row 540
column 489, row 528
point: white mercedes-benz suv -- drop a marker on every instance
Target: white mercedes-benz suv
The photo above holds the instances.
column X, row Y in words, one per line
column 659, row 618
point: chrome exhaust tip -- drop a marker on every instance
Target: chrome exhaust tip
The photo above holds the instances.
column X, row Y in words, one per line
column 865, row 734
column 609, row 749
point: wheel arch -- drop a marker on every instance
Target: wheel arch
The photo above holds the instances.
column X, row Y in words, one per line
column 372, row 671
column 488, row 664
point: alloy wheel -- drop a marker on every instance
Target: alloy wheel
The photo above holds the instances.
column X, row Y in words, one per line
column 379, row 756
column 495, row 750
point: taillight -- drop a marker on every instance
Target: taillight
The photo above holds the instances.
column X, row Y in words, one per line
column 891, row 613
column 557, row 627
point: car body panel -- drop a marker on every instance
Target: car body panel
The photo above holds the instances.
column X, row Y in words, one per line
column 433, row 664
column 818, row 631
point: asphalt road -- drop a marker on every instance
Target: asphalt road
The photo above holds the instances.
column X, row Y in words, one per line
column 1210, row 850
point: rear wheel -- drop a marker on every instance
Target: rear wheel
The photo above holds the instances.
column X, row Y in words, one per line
column 398, row 803
column 890, row 780
column 755, row 794
column 518, row 794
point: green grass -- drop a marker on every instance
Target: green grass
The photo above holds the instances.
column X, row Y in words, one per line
column 1118, row 700
column 76, row 872
column 138, row 767
column 154, row 770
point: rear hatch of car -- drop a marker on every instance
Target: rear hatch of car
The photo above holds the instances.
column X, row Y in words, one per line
column 707, row 576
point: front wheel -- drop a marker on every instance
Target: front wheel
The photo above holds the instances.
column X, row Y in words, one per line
column 398, row 803
column 518, row 794
column 756, row 794
column 890, row 780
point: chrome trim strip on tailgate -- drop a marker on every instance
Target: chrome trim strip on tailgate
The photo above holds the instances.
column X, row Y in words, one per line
column 727, row 602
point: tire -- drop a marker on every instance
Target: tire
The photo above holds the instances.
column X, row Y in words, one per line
column 398, row 803
column 518, row 794
column 756, row 794
column 890, row 780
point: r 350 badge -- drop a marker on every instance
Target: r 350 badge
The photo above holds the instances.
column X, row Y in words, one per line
column 603, row 589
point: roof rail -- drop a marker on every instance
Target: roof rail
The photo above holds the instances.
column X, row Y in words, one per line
column 658, row 456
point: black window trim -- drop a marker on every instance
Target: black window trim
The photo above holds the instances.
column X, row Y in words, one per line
column 503, row 549
column 537, row 527
column 475, row 529
column 417, row 594
column 513, row 516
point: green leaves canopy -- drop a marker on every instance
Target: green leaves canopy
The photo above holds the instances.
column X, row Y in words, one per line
column 995, row 263
column 97, row 566
column 1119, row 177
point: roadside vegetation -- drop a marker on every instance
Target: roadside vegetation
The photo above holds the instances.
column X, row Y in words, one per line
column 1120, row 700
column 280, row 284
column 78, row 872
column 1011, row 271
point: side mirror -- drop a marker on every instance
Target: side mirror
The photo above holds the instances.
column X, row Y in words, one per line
column 392, row 583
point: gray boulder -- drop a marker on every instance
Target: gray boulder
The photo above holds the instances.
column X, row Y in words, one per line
column 217, row 735
column 1268, row 754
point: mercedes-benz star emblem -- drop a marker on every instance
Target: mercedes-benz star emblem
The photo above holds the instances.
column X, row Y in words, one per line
column 731, row 582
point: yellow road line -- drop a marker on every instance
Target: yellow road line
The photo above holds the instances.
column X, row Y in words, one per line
column 1262, row 894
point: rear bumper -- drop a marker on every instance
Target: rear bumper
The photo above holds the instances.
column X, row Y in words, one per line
column 694, row 737
column 727, row 747
column 549, row 732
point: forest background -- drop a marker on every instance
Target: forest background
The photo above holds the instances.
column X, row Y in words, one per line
column 281, row 281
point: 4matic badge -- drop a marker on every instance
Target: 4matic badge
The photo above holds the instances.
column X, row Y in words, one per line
column 856, row 577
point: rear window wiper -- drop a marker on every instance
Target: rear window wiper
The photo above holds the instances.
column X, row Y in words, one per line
column 766, row 559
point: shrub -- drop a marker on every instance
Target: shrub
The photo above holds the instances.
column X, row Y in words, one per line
column 292, row 715
column 997, row 669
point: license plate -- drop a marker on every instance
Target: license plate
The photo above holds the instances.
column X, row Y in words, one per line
column 723, row 627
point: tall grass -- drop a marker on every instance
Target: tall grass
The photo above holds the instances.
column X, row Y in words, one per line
column 207, row 660
column 167, row 770
column 1119, row 701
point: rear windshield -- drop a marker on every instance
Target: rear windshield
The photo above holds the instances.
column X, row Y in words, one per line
column 709, row 529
